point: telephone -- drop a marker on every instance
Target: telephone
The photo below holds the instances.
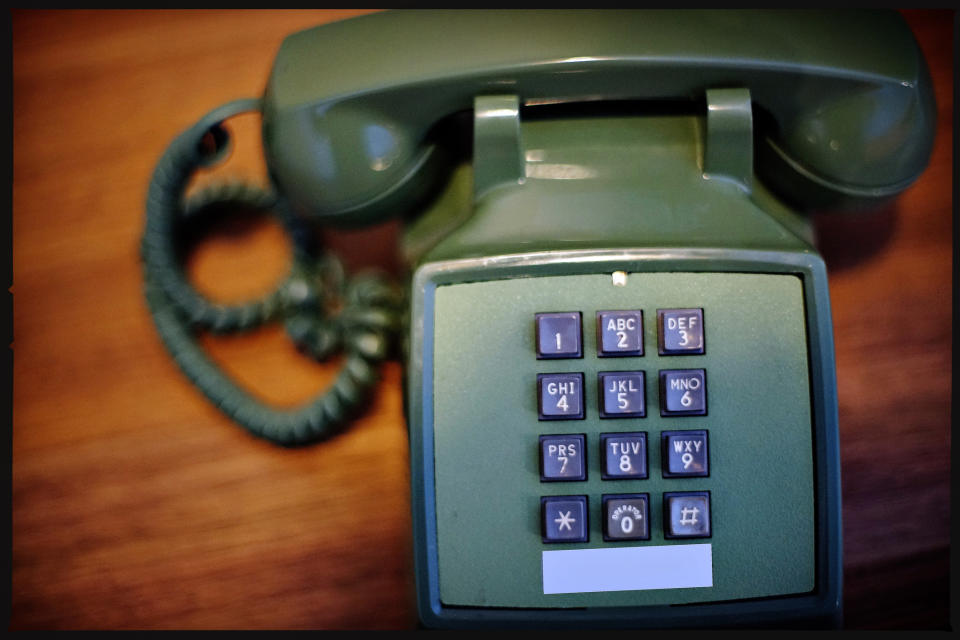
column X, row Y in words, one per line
column 620, row 384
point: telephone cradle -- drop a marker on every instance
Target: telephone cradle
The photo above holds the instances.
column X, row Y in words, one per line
column 620, row 381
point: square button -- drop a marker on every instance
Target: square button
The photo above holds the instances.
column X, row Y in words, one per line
column 564, row 518
column 562, row 458
column 625, row 517
column 619, row 333
column 686, row 514
column 684, row 454
column 559, row 335
column 560, row 396
column 624, row 456
column 680, row 332
column 683, row 392
column 621, row 394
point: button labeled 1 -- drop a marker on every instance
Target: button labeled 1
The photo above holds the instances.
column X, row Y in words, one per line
column 559, row 335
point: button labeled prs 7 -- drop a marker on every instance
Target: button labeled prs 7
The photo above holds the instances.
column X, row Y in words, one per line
column 560, row 396
column 559, row 335
column 619, row 333
column 683, row 392
column 562, row 458
column 680, row 331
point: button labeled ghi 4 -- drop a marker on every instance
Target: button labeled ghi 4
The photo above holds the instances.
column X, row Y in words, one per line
column 560, row 396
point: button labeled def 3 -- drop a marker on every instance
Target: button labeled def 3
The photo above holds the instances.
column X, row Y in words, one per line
column 683, row 392
column 680, row 332
column 560, row 396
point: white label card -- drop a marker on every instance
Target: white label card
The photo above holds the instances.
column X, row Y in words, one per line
column 628, row 568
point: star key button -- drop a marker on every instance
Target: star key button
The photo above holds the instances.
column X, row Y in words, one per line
column 564, row 518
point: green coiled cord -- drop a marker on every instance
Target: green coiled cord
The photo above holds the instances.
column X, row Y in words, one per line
column 364, row 327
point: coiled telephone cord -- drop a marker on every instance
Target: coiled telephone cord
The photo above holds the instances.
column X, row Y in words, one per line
column 364, row 327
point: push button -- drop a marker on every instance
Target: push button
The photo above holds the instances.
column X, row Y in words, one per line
column 624, row 455
column 561, row 458
column 680, row 331
column 625, row 517
column 560, row 396
column 619, row 333
column 564, row 518
column 686, row 514
column 684, row 454
column 621, row 394
column 559, row 335
column 683, row 392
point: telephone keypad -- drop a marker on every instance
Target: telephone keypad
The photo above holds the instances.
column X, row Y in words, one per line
column 621, row 394
column 559, row 335
column 686, row 514
column 626, row 517
column 619, row 333
column 562, row 458
column 564, row 519
column 683, row 392
column 624, row 455
column 560, row 396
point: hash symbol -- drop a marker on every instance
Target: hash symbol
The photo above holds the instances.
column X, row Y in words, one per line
column 685, row 514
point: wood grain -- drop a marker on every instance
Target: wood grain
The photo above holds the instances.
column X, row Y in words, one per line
column 135, row 504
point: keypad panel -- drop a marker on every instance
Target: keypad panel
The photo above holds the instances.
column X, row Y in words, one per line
column 622, row 394
column 487, row 428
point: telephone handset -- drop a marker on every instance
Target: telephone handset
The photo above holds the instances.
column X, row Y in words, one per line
column 620, row 384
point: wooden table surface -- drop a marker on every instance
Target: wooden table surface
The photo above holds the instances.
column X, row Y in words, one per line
column 135, row 504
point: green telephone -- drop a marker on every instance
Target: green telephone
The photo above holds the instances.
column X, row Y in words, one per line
column 620, row 382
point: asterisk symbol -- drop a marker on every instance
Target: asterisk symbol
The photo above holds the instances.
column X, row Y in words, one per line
column 565, row 521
